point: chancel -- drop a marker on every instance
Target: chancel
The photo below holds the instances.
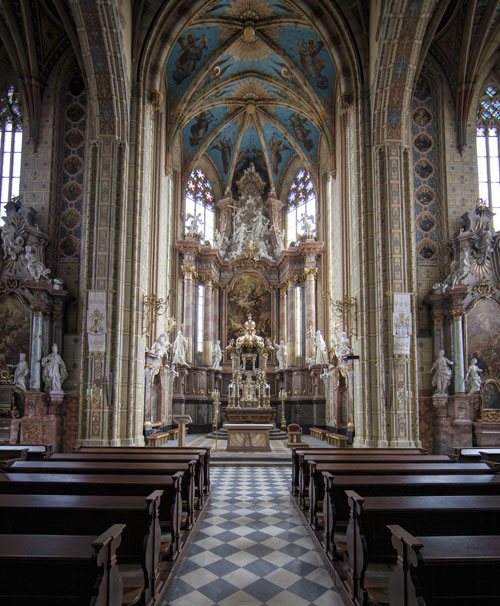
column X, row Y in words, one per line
column 259, row 237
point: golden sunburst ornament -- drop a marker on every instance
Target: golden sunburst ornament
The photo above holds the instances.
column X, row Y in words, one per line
column 251, row 90
column 249, row 46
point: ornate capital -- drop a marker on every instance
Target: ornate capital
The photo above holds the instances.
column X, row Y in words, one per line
column 310, row 273
column 189, row 272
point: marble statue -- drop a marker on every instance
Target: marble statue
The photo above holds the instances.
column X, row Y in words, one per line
column 194, row 228
column 54, row 371
column 12, row 242
column 472, row 378
column 217, row 356
column 281, row 354
column 179, row 349
column 21, row 372
column 307, row 224
column 340, row 343
column 321, row 352
column 460, row 269
column 442, row 374
column 35, row 267
column 161, row 346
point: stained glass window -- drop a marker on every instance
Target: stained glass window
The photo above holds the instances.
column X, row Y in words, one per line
column 488, row 156
column 301, row 216
column 11, row 138
column 199, row 209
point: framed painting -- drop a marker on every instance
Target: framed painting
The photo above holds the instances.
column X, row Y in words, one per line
column 483, row 337
column 248, row 296
column 15, row 329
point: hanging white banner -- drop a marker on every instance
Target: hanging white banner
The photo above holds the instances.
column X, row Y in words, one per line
column 96, row 320
column 402, row 323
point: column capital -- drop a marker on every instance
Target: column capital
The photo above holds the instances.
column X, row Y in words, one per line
column 310, row 273
column 189, row 272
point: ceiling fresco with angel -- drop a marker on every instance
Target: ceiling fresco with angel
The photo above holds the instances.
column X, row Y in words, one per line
column 251, row 81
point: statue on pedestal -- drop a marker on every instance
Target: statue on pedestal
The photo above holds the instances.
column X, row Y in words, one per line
column 179, row 349
column 21, row 372
column 281, row 354
column 472, row 378
column 217, row 356
column 321, row 353
column 54, row 371
column 442, row 374
column 161, row 346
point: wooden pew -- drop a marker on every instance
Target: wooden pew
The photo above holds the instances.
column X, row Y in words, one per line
column 140, row 550
column 170, row 510
column 35, row 451
column 157, row 439
column 296, row 452
column 307, row 461
column 336, row 508
column 337, row 439
column 159, row 457
column 317, row 484
column 445, row 571
column 118, row 467
column 7, row 457
column 145, row 450
column 368, row 540
column 55, row 570
column 317, row 433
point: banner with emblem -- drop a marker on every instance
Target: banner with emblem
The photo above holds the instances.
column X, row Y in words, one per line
column 402, row 323
column 96, row 321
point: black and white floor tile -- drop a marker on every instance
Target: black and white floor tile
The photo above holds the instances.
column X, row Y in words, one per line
column 251, row 548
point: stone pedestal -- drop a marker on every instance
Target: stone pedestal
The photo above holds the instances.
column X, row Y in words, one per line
column 248, row 437
column 42, row 421
column 182, row 421
column 452, row 426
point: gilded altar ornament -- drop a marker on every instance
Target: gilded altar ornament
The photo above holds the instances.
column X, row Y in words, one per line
column 282, row 396
column 154, row 307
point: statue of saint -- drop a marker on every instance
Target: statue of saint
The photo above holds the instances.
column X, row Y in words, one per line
column 442, row 374
column 281, row 354
column 54, row 371
column 179, row 349
column 472, row 378
column 217, row 356
column 161, row 346
column 321, row 354
column 21, row 372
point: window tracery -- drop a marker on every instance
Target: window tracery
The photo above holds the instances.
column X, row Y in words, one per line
column 199, row 206
column 301, row 215
column 11, row 136
column 488, row 151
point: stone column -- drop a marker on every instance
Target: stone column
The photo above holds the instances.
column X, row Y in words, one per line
column 208, row 323
column 283, row 333
column 290, row 320
column 457, row 352
column 36, row 349
column 188, row 272
column 310, row 308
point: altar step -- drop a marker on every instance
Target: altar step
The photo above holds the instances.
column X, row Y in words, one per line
column 274, row 434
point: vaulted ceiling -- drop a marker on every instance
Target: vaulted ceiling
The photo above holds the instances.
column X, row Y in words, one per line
column 251, row 81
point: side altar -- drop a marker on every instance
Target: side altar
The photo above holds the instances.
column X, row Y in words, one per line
column 249, row 417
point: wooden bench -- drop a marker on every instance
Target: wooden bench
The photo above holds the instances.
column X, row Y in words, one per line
column 54, row 570
column 173, row 434
column 336, row 508
column 317, row 433
column 140, row 550
column 365, row 451
column 35, row 451
column 157, row 439
column 145, row 450
column 445, row 570
column 336, row 439
column 311, row 482
column 170, row 510
column 165, row 456
column 368, row 541
column 118, row 467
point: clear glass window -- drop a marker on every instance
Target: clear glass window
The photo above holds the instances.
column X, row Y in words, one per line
column 11, row 136
column 301, row 215
column 488, row 151
column 199, row 206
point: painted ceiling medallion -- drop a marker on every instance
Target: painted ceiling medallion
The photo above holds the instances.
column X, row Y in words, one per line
column 251, row 90
column 249, row 46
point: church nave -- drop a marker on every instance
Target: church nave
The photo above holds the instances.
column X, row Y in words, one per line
column 251, row 547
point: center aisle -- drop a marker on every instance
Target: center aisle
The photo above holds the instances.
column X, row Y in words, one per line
column 251, row 547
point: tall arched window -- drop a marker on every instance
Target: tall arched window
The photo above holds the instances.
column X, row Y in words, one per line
column 11, row 138
column 488, row 156
column 301, row 217
column 199, row 209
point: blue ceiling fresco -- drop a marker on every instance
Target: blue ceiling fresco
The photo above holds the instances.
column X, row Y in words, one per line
column 251, row 81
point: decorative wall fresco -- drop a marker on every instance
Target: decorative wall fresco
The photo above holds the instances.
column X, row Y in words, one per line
column 248, row 296
column 483, row 337
column 14, row 330
column 70, row 222
column 425, row 177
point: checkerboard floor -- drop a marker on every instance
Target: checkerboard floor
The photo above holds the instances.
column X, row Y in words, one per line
column 251, row 548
